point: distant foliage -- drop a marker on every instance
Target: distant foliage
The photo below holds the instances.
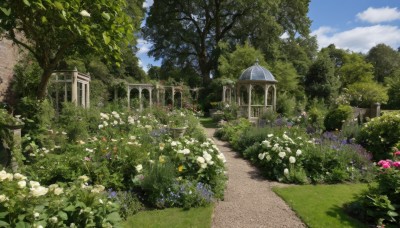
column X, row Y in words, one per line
column 335, row 118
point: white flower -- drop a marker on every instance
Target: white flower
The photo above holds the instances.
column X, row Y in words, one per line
column 268, row 158
column 84, row 13
column 84, row 178
column 207, row 157
column 18, row 176
column 282, row 154
column 105, row 123
column 58, row 191
column 101, row 126
column 261, row 156
column 3, row 198
column 21, row 184
column 270, row 135
column 34, row 184
column 36, row 215
column 101, row 201
column 98, row 189
column 200, row 160
column 53, row 219
column 139, row 168
column 266, row 143
column 184, row 151
column 221, row 157
column 203, row 166
column 292, row 159
column 288, row 149
column 115, row 122
column 3, row 175
column 89, row 150
column 39, row 191
column 286, row 171
column 298, row 152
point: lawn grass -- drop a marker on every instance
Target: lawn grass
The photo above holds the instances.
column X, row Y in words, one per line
column 172, row 217
column 208, row 122
column 321, row 205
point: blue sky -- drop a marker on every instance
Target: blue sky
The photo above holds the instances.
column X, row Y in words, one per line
column 356, row 25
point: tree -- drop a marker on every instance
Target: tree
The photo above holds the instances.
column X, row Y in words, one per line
column 364, row 94
column 231, row 65
column 188, row 32
column 321, row 82
column 52, row 30
column 355, row 69
column 393, row 83
column 385, row 60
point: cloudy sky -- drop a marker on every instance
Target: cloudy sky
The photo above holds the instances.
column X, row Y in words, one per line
column 356, row 25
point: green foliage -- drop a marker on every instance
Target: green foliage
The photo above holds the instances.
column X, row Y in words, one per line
column 364, row 94
column 26, row 78
column 233, row 130
column 320, row 82
column 286, row 75
column 75, row 204
column 316, row 114
column 55, row 30
column 393, row 84
column 380, row 134
column 385, row 60
column 355, row 69
column 231, row 65
column 286, row 104
column 335, row 118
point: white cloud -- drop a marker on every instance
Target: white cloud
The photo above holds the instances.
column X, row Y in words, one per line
column 143, row 46
column 378, row 15
column 359, row 39
column 148, row 3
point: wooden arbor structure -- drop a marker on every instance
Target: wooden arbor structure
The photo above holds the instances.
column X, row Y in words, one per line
column 157, row 94
column 71, row 86
column 255, row 92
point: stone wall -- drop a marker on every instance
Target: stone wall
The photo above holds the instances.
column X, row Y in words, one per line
column 9, row 55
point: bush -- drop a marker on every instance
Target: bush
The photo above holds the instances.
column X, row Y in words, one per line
column 380, row 135
column 380, row 204
column 335, row 118
column 25, row 202
column 233, row 130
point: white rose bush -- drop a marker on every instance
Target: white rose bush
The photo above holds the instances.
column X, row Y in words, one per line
column 26, row 203
column 279, row 157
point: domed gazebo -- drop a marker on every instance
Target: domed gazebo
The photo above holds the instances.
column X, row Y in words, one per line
column 256, row 92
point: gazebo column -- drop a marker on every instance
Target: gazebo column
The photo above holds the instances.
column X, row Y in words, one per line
column 88, row 95
column 274, row 107
column 129, row 97
column 158, row 96
column 150, row 94
column 249, row 104
column 181, row 99
column 74, row 95
column 223, row 93
column 140, row 99
column 266, row 88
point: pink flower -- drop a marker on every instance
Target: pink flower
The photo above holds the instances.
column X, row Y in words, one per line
column 386, row 165
column 396, row 153
column 396, row 164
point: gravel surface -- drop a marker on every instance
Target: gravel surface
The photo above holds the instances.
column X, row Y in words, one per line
column 249, row 199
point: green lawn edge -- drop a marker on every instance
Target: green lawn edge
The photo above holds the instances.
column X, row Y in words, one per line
column 200, row 217
column 322, row 205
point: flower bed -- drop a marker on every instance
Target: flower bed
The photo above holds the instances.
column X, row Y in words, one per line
column 130, row 154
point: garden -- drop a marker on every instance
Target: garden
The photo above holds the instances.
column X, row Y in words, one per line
column 96, row 168
column 299, row 150
column 90, row 137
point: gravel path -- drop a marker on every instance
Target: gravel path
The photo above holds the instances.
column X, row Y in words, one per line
column 249, row 200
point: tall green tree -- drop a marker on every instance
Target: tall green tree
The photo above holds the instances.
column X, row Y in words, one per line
column 385, row 60
column 188, row 32
column 52, row 30
column 231, row 65
column 321, row 82
column 355, row 69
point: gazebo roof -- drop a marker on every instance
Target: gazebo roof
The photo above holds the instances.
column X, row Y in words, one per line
column 257, row 73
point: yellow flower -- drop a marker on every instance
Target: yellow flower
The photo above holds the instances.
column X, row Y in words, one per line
column 180, row 168
column 161, row 159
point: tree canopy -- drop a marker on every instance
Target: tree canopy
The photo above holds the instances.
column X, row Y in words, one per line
column 52, row 30
column 188, row 32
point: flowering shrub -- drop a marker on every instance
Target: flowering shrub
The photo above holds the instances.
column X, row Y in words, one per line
column 25, row 202
column 280, row 158
column 380, row 135
column 380, row 204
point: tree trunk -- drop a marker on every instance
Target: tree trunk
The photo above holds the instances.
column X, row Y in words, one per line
column 44, row 81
